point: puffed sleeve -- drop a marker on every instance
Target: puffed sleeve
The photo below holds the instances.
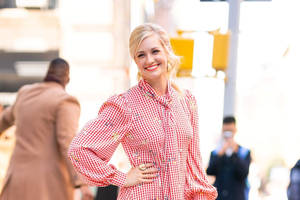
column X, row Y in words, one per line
column 197, row 186
column 91, row 150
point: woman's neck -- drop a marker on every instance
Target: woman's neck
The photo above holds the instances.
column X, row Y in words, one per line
column 160, row 86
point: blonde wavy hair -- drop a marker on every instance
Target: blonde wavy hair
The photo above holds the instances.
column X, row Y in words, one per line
column 143, row 31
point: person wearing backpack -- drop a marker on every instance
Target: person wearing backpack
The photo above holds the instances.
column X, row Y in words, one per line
column 293, row 191
column 229, row 163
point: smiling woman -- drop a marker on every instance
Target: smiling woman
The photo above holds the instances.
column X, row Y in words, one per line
column 157, row 126
column 151, row 59
column 154, row 37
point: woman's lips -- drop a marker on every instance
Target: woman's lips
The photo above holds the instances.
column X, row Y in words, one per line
column 151, row 68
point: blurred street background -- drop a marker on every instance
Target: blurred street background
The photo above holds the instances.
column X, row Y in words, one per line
column 92, row 35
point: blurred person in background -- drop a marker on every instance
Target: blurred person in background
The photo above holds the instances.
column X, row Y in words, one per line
column 46, row 120
column 293, row 191
column 3, row 135
column 7, row 134
column 229, row 163
column 156, row 123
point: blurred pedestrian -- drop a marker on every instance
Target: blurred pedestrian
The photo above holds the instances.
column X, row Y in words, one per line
column 293, row 191
column 46, row 120
column 229, row 163
column 4, row 134
column 157, row 125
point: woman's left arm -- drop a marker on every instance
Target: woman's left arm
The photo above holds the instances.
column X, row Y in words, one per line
column 197, row 186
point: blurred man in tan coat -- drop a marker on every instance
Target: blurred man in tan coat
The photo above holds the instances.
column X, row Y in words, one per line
column 46, row 120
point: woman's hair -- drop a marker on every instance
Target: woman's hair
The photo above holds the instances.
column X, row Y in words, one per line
column 143, row 31
column 58, row 71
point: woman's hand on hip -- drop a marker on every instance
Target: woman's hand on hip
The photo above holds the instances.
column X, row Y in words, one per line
column 144, row 173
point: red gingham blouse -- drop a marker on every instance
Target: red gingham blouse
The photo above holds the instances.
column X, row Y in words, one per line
column 158, row 129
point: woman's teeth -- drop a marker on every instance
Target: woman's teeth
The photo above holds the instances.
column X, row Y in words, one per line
column 151, row 67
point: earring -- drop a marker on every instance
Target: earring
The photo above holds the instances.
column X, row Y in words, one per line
column 139, row 75
column 169, row 67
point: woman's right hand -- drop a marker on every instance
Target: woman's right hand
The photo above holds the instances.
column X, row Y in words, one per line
column 144, row 173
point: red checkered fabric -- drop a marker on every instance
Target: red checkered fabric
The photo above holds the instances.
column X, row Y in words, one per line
column 158, row 129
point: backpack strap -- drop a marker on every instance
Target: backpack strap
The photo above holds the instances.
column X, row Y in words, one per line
column 243, row 152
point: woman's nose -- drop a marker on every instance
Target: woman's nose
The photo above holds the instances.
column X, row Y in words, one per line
column 149, row 59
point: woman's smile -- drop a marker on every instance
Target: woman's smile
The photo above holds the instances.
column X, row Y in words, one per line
column 152, row 67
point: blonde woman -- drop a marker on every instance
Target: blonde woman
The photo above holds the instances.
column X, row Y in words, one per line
column 157, row 126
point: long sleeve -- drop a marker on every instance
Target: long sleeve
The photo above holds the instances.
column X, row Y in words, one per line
column 6, row 119
column 215, row 163
column 92, row 148
column 197, row 184
column 67, row 116
column 241, row 165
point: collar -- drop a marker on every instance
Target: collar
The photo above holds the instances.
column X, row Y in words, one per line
column 149, row 92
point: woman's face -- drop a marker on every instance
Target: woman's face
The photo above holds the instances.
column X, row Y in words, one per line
column 151, row 59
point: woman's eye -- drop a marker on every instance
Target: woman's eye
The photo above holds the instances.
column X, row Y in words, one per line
column 155, row 51
column 140, row 55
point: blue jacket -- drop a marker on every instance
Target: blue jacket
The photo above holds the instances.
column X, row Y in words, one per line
column 294, row 186
column 231, row 174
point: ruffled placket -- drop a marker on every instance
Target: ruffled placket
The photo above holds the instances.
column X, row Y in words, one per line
column 171, row 158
